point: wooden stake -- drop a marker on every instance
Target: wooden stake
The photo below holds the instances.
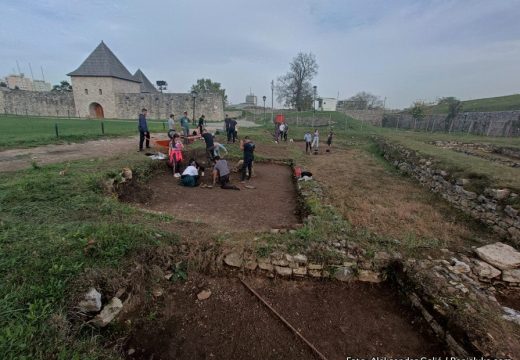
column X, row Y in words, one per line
column 316, row 351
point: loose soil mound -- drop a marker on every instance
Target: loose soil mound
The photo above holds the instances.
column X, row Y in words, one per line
column 271, row 204
column 339, row 319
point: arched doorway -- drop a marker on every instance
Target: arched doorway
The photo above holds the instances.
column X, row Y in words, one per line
column 96, row 111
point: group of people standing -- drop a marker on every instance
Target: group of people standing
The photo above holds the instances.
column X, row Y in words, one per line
column 281, row 131
column 312, row 141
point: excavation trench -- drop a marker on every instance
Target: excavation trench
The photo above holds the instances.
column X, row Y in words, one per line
column 340, row 320
column 268, row 200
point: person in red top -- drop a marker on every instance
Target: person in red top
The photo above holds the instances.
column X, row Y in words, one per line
column 175, row 155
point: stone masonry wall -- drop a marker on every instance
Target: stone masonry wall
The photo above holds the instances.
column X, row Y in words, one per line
column 160, row 106
column 497, row 123
column 87, row 91
column 373, row 117
column 20, row 102
column 490, row 207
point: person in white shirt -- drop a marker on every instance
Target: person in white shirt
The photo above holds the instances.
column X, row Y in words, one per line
column 190, row 176
column 171, row 122
column 316, row 141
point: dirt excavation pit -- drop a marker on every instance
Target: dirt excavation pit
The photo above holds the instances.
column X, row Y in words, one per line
column 265, row 202
column 339, row 319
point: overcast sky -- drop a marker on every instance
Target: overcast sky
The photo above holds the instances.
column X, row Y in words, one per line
column 403, row 50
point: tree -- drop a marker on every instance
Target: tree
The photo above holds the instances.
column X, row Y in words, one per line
column 454, row 108
column 208, row 86
column 63, row 86
column 161, row 85
column 363, row 101
column 3, row 84
column 294, row 89
column 418, row 111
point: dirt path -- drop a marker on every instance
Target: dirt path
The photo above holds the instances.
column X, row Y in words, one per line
column 18, row 159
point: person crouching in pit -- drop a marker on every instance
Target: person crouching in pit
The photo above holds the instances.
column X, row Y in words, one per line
column 190, row 176
column 221, row 174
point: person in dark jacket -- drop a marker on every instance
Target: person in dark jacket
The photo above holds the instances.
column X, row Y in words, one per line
column 232, row 131
column 143, row 130
column 248, row 147
column 202, row 120
column 226, row 126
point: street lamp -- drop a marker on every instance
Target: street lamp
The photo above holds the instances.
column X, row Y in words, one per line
column 314, row 88
column 194, row 96
column 264, row 98
column 314, row 98
column 272, row 101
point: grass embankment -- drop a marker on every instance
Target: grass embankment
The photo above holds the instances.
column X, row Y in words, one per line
column 457, row 163
column 499, row 103
column 46, row 221
column 20, row 131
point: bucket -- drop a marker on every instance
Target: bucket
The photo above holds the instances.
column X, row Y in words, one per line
column 297, row 172
column 280, row 118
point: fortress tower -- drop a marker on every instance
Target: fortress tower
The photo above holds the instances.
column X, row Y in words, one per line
column 98, row 79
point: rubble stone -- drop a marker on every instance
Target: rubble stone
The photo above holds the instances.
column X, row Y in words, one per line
column 483, row 270
column 91, row 302
column 283, row 271
column 233, row 259
column 499, row 255
column 108, row 313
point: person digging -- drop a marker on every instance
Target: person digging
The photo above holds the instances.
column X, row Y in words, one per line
column 221, row 174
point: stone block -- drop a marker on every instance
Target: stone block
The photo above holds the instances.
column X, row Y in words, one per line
column 300, row 271
column 233, row 259
column 499, row 255
column 283, row 271
column 369, row 276
column 512, row 276
column 483, row 270
column 315, row 273
column 315, row 266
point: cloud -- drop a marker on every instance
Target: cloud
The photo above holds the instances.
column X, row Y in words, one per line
column 402, row 49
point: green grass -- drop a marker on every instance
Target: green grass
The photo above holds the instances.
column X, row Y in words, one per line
column 457, row 163
column 46, row 221
column 20, row 131
column 499, row 103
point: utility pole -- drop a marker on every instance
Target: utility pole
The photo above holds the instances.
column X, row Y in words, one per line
column 272, row 101
column 32, row 75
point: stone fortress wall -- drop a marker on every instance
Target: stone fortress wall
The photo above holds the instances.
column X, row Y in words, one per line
column 160, row 106
column 120, row 105
column 35, row 103
column 495, row 123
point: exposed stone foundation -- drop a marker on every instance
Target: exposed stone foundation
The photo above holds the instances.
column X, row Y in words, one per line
column 490, row 206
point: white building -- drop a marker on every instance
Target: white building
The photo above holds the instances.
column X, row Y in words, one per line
column 40, row 85
column 327, row 104
column 19, row 81
column 23, row 83
column 251, row 99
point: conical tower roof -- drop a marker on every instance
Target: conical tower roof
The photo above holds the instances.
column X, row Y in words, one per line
column 103, row 63
column 146, row 85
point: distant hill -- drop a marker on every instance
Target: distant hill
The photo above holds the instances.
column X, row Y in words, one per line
column 499, row 103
